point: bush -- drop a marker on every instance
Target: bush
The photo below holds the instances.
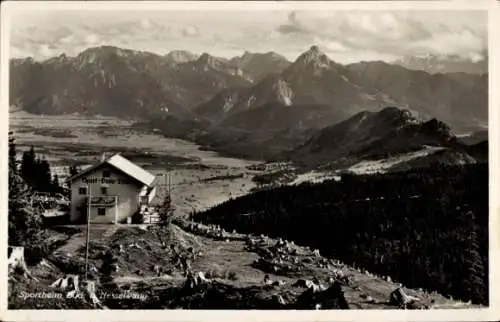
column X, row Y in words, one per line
column 138, row 218
column 166, row 211
column 25, row 221
column 35, row 253
column 222, row 274
column 232, row 276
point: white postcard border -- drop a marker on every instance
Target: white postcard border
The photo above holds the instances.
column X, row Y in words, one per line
column 489, row 314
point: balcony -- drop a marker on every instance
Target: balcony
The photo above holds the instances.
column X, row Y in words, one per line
column 101, row 201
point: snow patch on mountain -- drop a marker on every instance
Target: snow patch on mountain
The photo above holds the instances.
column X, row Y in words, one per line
column 237, row 72
column 251, row 100
column 228, row 104
column 283, row 92
column 181, row 56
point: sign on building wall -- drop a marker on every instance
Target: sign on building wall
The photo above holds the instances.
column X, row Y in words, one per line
column 106, row 180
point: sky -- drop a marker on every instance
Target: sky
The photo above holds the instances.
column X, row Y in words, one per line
column 345, row 36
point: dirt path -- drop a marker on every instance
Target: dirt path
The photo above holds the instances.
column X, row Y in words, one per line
column 78, row 240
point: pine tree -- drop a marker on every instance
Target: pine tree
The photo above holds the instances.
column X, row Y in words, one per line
column 28, row 165
column 166, row 211
column 45, row 176
column 474, row 285
column 56, row 188
column 73, row 170
column 12, row 153
column 37, row 174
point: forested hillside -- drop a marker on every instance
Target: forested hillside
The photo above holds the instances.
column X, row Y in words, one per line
column 425, row 228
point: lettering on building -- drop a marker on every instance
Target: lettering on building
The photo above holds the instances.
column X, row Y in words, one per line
column 106, row 181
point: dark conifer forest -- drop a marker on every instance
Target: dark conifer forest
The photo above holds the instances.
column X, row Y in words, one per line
column 35, row 171
column 426, row 228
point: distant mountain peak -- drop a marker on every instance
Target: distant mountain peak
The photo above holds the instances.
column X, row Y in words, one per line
column 275, row 55
column 246, row 54
column 315, row 57
column 93, row 54
column 439, row 127
column 206, row 60
column 446, row 63
column 101, row 49
column 400, row 116
column 314, row 48
column 181, row 56
column 393, row 110
column 372, row 135
column 58, row 59
column 404, row 118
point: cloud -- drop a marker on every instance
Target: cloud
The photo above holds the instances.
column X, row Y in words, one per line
column 92, row 39
column 343, row 35
column 293, row 26
column 146, row 24
column 464, row 42
column 44, row 50
column 70, row 39
column 392, row 33
column 190, row 31
column 333, row 45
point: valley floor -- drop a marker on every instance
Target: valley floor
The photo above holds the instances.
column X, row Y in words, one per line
column 200, row 179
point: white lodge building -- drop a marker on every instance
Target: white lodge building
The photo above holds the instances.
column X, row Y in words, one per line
column 116, row 189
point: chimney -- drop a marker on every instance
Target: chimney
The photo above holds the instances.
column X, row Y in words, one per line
column 103, row 156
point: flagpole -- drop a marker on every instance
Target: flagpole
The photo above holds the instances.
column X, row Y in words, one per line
column 88, row 233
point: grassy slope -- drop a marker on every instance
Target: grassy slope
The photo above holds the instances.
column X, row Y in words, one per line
column 229, row 262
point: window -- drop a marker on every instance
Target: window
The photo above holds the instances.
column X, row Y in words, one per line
column 101, row 211
column 106, row 174
column 82, row 191
column 104, row 190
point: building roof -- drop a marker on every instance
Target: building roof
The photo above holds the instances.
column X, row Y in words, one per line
column 125, row 166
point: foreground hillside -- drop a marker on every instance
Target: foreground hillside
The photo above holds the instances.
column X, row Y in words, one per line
column 424, row 227
column 136, row 267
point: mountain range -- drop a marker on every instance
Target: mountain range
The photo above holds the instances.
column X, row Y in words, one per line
column 446, row 63
column 113, row 81
column 379, row 135
column 252, row 105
